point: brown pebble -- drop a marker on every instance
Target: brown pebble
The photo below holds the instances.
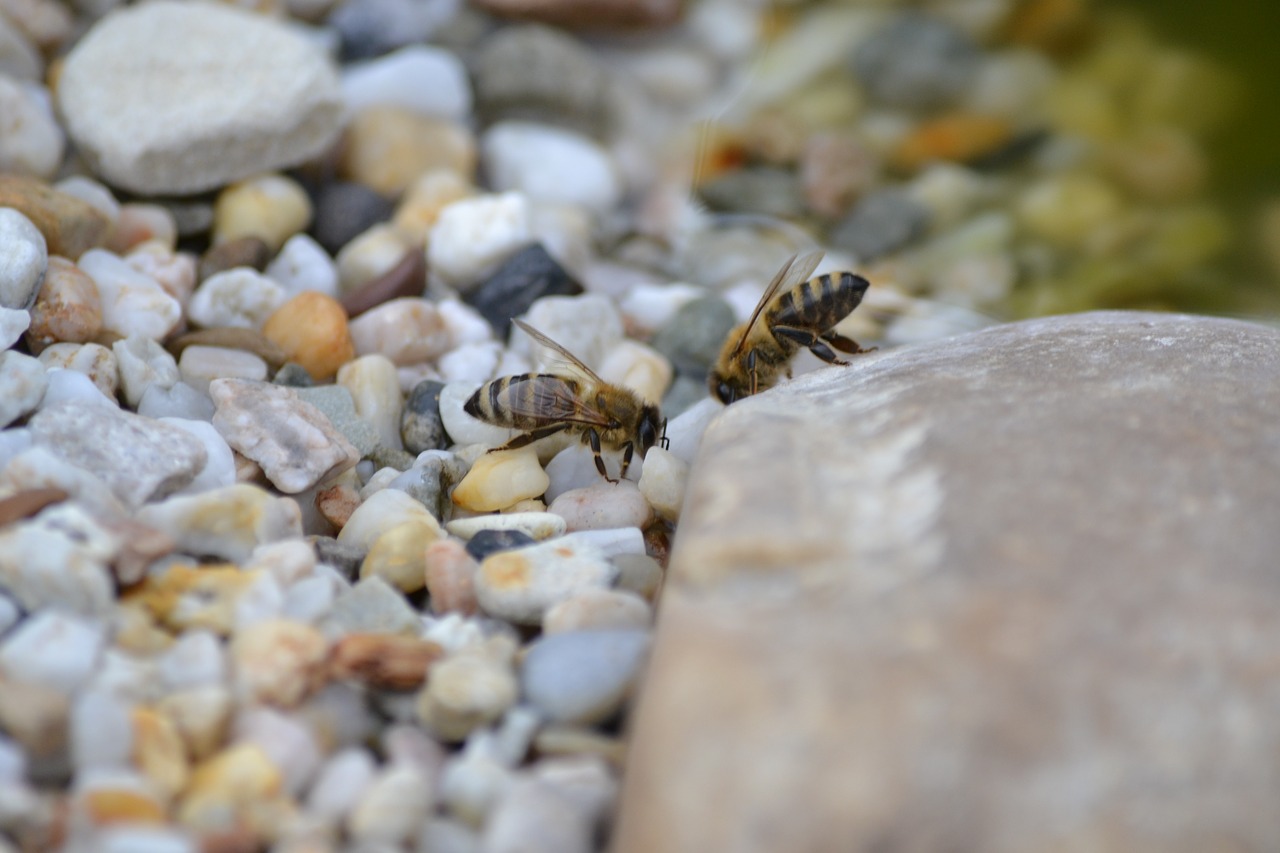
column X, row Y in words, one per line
column 27, row 503
column 384, row 661
column 451, row 577
column 959, row 137
column 311, row 330
column 589, row 14
column 336, row 504
column 67, row 309
column 231, row 337
column 240, row 252
column 70, row 226
column 407, row 278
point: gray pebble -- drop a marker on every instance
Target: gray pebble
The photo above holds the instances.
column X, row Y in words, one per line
column 488, row 542
column 9, row 613
column 442, row 835
column 371, row 606
column 343, row 210
column 526, row 277
column 370, row 28
column 390, row 457
column 583, row 676
column 916, row 62
column 535, row 72
column 338, row 406
column 769, row 191
column 535, row 817
column 420, row 425
column 685, row 392
column 343, row 556
column 691, row 339
column 881, row 223
column 422, row 482
column 180, row 401
column 294, row 375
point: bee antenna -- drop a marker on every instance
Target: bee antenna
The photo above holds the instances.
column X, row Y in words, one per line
column 663, row 441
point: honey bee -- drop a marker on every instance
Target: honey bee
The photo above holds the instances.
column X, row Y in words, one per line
column 795, row 311
column 543, row 404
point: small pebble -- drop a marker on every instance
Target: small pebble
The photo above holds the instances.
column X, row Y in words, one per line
column 465, row 691
column 639, row 367
column 384, row 662
column 501, row 478
column 534, row 816
column 138, row 224
column 375, row 389
column 70, row 225
column 764, row 190
column 583, row 676
column 916, row 62
column 303, row 265
column 398, row 556
column 179, row 401
column 340, row 783
column 450, row 576
column 406, row 331
column 33, row 141
column 388, row 147
column 198, row 522
column 294, row 443
column 227, row 785
column 22, row 385
column 23, row 258
column 93, row 360
column 487, row 542
column 521, row 585
column 538, row 525
column 368, row 264
column 52, row 649
column 527, row 276
column 382, row 512
column 428, row 80
column 587, row 326
column 239, row 297
column 278, row 661
column 612, row 542
column 880, row 223
column 371, row 606
column 550, row 164
column 663, row 482
column 599, row 609
column 312, row 331
column 421, row 427
column 473, row 237
column 142, row 363
column 343, row 210
column 67, row 307
column 201, row 365
column 422, row 202
column 250, row 252
column 391, row 807
column 271, row 207
column 370, row 28
column 603, row 505
column 13, row 322
column 287, row 741
column 132, row 303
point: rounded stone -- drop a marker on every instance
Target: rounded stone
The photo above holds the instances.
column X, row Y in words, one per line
column 420, row 425
column 691, row 340
column 582, row 676
column 23, row 258
column 179, row 97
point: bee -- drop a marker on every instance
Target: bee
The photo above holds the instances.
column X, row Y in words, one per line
column 543, row 404
column 795, row 311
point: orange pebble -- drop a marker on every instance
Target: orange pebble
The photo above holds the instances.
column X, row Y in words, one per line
column 960, row 138
column 311, row 329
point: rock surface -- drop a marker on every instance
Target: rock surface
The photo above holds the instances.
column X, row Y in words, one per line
column 989, row 611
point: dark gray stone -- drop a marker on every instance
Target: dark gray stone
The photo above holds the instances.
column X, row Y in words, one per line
column 343, row 210
column 1011, row 591
column 488, row 542
column 370, row 28
column 693, row 337
column 917, row 62
column 763, row 190
column 529, row 275
column 420, row 425
column 880, row 223
column 293, row 375
column 343, row 556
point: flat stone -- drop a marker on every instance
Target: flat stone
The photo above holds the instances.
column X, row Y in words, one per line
column 590, row 14
column 228, row 522
column 70, row 226
column 157, row 98
column 986, row 612
column 140, row 459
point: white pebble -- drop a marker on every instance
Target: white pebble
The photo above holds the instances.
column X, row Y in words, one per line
column 465, row 324
column 132, row 303
column 200, row 365
column 22, row 385
column 547, row 163
column 101, row 731
column 31, row 140
column 520, row 585
column 612, row 542
column 91, row 191
column 13, row 322
column 533, row 816
column 23, row 256
column 471, row 362
column 241, row 297
column 603, row 505
column 309, row 600
column 383, row 511
column 587, row 326
column 684, row 432
column 641, row 368
column 538, row 525
column 93, row 360
column 303, row 265
column 56, row 649
column 501, row 479
column 391, row 807
column 180, row 401
column 663, row 482
column 369, row 255
column 375, row 390
column 428, row 80
column 286, row 740
column 341, row 783
column 196, row 659
column 72, row 386
column 142, row 363
column 220, row 468
column 473, row 236
column 575, row 468
column 598, row 609
column 407, row 331
column 463, row 428
column 583, row 676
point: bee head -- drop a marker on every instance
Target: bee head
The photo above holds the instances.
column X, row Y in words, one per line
column 721, row 389
column 652, row 430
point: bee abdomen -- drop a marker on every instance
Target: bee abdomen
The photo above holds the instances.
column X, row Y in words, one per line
column 821, row 302
column 511, row 401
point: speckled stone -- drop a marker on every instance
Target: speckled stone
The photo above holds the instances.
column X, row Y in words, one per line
column 420, row 424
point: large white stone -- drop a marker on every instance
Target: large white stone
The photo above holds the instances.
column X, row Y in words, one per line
column 180, row 97
column 550, row 164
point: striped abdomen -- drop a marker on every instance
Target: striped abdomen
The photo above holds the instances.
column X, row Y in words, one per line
column 527, row 401
column 819, row 303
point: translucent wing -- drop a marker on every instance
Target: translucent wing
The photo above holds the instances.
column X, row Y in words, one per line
column 570, row 363
column 547, row 399
column 797, row 269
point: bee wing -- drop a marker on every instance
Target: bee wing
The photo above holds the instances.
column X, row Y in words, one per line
column 564, row 361
column 554, row 400
column 798, row 268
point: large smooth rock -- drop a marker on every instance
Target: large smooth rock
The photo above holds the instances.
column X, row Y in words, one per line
column 1012, row 591
column 179, row 97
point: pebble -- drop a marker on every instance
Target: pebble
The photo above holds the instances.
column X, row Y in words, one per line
column 421, row 427
column 371, row 606
column 220, row 469
column 957, row 137
column 583, row 676
column 270, row 207
column 226, row 786
column 285, row 739
column 388, row 147
column 450, row 577
column 136, row 112
column 24, row 258
column 391, row 807
column 535, row 817
column 427, row 80
column 179, row 401
column 132, row 302
column 442, row 835
column 93, row 360
column 201, row 365
column 67, row 307
column 501, row 478
column 340, row 783
column 375, row 389
column 19, row 59
column 248, row 252
column 537, row 525
column 47, row 562
column 473, row 363
column 422, row 202
column 312, row 331
column 916, row 62
column 240, row 297
column 70, row 226
column 612, row 542
column 303, row 265
column 198, row 522
column 38, row 468
column 550, row 164
column 639, row 367
column 602, row 505
column 691, row 340
column 466, row 690
column 521, row 585
column 663, row 482
column 370, row 257
column 13, row 322
column 881, row 222
column 398, row 556
column 599, row 609
column 31, row 143
column 158, row 751
column 527, row 276
column 138, row 224
column 278, row 661
column 344, row 209
column 138, row 458
column 52, row 649
column 529, row 70
column 336, row 404
column 765, row 190
column 373, row 27
column 487, row 542
column 22, row 385
column 587, row 326
column 294, row 442
column 382, row 661
column 196, row 659
column 382, row 512
column 1065, row 210
column 407, row 331
column 101, row 731
column 142, row 363
column 473, row 237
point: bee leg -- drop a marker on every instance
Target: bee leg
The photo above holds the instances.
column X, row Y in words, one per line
column 751, row 369
column 844, row 344
column 808, row 339
column 593, row 438
column 524, row 439
column 627, row 450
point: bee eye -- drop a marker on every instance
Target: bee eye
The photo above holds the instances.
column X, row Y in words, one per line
column 725, row 393
column 647, row 435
